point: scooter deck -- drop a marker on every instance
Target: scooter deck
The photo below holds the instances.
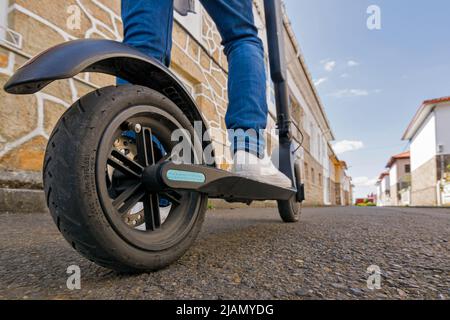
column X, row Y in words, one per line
column 239, row 189
column 216, row 183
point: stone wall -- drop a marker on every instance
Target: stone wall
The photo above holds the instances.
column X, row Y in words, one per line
column 313, row 185
column 332, row 185
column 27, row 121
column 423, row 180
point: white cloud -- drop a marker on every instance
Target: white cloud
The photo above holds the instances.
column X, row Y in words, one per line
column 330, row 65
column 364, row 182
column 318, row 82
column 347, row 93
column 353, row 63
column 345, row 75
column 344, row 146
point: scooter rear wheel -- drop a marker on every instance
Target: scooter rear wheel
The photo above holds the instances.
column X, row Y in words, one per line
column 92, row 184
column 290, row 210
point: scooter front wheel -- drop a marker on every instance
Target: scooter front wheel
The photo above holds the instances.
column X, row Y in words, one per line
column 92, row 170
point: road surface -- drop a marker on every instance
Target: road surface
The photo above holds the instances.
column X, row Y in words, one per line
column 250, row 254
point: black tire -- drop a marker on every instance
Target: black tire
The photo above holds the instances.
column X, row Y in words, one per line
column 290, row 210
column 73, row 180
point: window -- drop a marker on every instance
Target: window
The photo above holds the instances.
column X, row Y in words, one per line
column 319, row 148
column 407, row 168
column 3, row 18
column 192, row 22
column 313, row 178
column 320, row 179
column 306, row 171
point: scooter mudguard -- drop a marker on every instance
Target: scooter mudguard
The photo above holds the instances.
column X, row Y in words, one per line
column 66, row 60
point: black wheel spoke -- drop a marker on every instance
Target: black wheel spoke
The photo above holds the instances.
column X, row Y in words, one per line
column 125, row 195
column 125, row 165
column 151, row 212
column 146, row 152
column 132, row 201
column 173, row 196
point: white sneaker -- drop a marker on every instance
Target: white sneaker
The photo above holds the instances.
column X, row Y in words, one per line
column 250, row 166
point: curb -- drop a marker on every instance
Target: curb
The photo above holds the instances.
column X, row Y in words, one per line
column 22, row 201
column 33, row 201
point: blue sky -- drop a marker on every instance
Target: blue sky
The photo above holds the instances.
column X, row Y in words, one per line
column 371, row 82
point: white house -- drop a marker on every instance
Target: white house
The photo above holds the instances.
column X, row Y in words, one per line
column 384, row 190
column 429, row 135
column 400, row 178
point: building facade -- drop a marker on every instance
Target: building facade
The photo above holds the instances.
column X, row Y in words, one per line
column 341, row 186
column 29, row 27
column 384, row 190
column 399, row 167
column 429, row 138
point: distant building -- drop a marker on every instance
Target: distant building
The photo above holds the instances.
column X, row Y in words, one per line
column 341, row 189
column 429, row 135
column 384, row 190
column 399, row 167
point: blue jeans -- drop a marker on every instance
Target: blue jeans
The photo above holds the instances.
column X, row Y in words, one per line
column 148, row 27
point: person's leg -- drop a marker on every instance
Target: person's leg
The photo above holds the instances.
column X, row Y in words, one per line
column 247, row 74
column 247, row 108
column 148, row 27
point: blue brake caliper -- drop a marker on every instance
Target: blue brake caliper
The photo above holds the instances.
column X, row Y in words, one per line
column 163, row 202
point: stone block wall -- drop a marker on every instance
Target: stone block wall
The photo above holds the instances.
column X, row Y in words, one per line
column 27, row 121
column 313, row 185
column 423, row 181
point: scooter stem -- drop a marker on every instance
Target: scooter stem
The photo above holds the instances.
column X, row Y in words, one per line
column 278, row 70
column 278, row 67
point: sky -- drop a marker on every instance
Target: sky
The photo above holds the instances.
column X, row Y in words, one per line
column 371, row 82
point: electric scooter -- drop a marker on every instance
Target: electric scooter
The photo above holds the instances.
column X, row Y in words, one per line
column 111, row 186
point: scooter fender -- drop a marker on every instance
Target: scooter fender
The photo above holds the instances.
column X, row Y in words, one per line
column 67, row 60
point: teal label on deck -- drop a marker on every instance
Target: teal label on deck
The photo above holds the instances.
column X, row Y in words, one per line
column 186, row 176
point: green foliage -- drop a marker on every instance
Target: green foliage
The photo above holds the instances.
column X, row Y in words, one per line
column 366, row 204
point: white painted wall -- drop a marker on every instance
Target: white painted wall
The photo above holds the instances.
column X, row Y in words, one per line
column 3, row 18
column 379, row 193
column 385, row 184
column 443, row 127
column 393, row 174
column 423, row 144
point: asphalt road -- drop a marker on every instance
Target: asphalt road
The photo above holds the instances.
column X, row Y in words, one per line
column 250, row 254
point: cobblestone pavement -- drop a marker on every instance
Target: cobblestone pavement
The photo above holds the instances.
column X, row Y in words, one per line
column 250, row 254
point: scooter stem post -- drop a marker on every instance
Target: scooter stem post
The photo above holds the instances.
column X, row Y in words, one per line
column 278, row 66
column 278, row 70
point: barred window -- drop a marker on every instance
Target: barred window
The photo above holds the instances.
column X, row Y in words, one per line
column 193, row 21
column 3, row 18
column 408, row 168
